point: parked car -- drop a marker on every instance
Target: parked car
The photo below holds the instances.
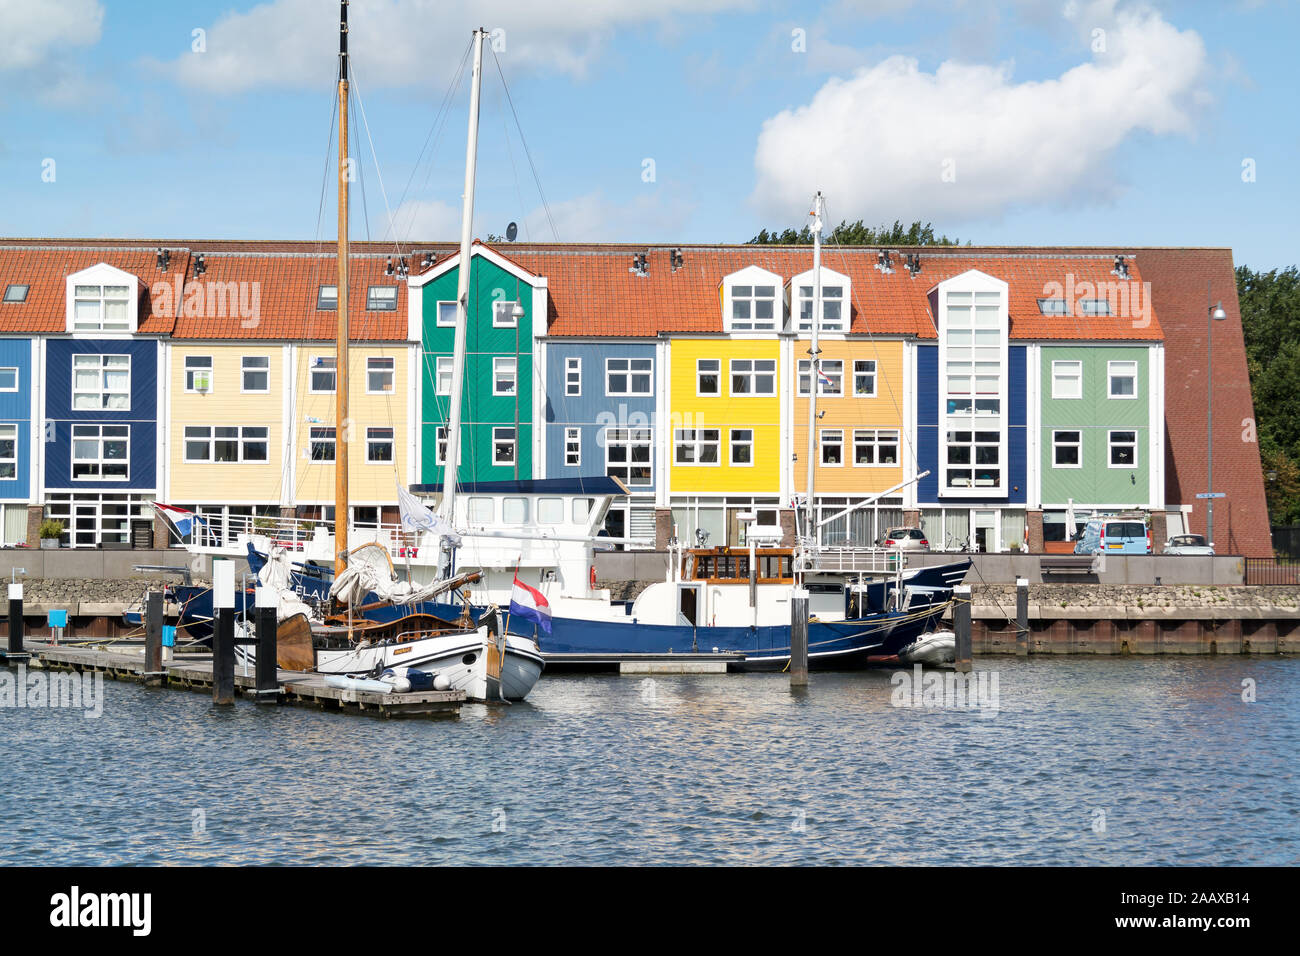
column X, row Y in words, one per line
column 904, row 539
column 1188, row 544
column 1114, row 535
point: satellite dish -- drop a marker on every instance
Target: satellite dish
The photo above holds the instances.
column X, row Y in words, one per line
column 512, row 230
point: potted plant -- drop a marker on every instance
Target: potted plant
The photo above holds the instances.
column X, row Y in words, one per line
column 50, row 532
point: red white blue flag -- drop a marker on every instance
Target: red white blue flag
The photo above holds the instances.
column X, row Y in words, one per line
column 531, row 605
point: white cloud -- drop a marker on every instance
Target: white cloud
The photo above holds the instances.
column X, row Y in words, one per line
column 33, row 34
column 654, row 216
column 395, row 43
column 425, row 220
column 877, row 142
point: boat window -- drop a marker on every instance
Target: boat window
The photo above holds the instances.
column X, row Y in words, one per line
column 581, row 510
column 550, row 510
column 480, row 510
column 514, row 511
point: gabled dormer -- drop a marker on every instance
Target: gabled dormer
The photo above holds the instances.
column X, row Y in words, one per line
column 102, row 300
column 837, row 296
column 752, row 301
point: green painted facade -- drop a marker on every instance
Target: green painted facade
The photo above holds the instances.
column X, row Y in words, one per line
column 1095, row 414
column 481, row 410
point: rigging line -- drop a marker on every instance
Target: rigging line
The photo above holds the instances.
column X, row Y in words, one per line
column 379, row 175
column 514, row 171
column 524, row 142
column 443, row 108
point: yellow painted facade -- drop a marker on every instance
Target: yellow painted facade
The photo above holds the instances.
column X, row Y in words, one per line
column 726, row 411
column 369, row 483
column 226, row 403
column 850, row 412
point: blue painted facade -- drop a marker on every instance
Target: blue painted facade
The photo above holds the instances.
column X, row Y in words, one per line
column 593, row 411
column 141, row 417
column 16, row 411
column 927, row 428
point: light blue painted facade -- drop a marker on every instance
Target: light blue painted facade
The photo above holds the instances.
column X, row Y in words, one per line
column 16, row 420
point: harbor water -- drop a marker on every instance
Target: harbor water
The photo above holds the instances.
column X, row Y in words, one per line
column 1066, row 761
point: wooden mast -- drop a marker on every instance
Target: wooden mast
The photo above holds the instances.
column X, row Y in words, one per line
column 341, row 422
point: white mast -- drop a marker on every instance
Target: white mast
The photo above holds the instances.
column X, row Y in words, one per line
column 451, row 469
column 814, row 368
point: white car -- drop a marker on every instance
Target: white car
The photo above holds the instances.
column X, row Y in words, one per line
column 1188, row 544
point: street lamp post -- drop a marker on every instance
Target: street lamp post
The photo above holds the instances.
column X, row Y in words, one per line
column 1213, row 313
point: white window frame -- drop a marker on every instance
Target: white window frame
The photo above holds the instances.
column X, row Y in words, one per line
column 573, row 376
column 17, row 377
column 1111, row 445
column 572, row 447
column 318, row 364
column 859, row 372
column 102, row 390
column 751, row 376
column 100, row 460
column 442, row 363
column 1056, row 376
column 802, row 290
column 804, row 373
column 753, row 277
column 9, row 463
column 695, row 441
column 240, row 438
column 328, row 436
column 1112, row 376
column 191, row 370
column 82, row 294
column 391, row 372
column 876, row 439
column 245, row 370
column 700, row 372
column 733, row 443
column 627, row 439
column 631, row 373
column 500, row 364
column 498, row 442
column 438, row 312
column 374, row 442
column 1077, row 444
column 830, row 438
column 440, row 445
column 509, row 322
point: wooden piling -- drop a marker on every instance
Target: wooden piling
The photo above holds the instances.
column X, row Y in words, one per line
column 267, row 686
column 153, row 626
column 1022, row 617
column 799, row 638
column 961, row 611
column 223, row 633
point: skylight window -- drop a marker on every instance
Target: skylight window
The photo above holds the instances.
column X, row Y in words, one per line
column 327, row 298
column 1053, row 307
column 1094, row 306
column 379, row 298
column 16, row 293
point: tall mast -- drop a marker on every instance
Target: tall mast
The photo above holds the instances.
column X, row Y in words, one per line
column 341, row 428
column 451, row 469
column 814, row 367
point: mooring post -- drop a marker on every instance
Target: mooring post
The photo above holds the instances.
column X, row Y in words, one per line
column 1022, row 617
column 16, row 620
column 153, row 626
column 268, row 682
column 961, row 626
column 799, row 637
column 223, row 636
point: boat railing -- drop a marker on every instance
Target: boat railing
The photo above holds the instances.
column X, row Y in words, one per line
column 220, row 532
column 856, row 560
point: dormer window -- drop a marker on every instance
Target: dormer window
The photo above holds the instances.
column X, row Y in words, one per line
column 752, row 301
column 102, row 299
column 835, row 301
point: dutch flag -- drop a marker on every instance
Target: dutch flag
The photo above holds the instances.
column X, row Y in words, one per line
column 823, row 377
column 531, row 605
column 181, row 519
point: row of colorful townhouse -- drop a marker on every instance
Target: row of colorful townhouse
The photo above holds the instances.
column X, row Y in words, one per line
column 983, row 395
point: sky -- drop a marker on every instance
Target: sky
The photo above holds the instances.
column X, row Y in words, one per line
column 1027, row 122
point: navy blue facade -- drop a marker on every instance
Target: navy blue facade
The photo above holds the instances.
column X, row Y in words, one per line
column 592, row 411
column 141, row 417
column 16, row 420
column 927, row 425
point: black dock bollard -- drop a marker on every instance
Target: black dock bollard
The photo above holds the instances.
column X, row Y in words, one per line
column 153, row 626
column 268, row 679
column 799, row 638
column 223, row 634
column 16, row 621
column 961, row 627
column 1022, row 617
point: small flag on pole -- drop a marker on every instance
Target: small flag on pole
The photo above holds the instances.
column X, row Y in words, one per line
column 531, row 605
column 181, row 519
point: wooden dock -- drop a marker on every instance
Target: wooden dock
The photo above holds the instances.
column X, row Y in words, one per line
column 194, row 672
